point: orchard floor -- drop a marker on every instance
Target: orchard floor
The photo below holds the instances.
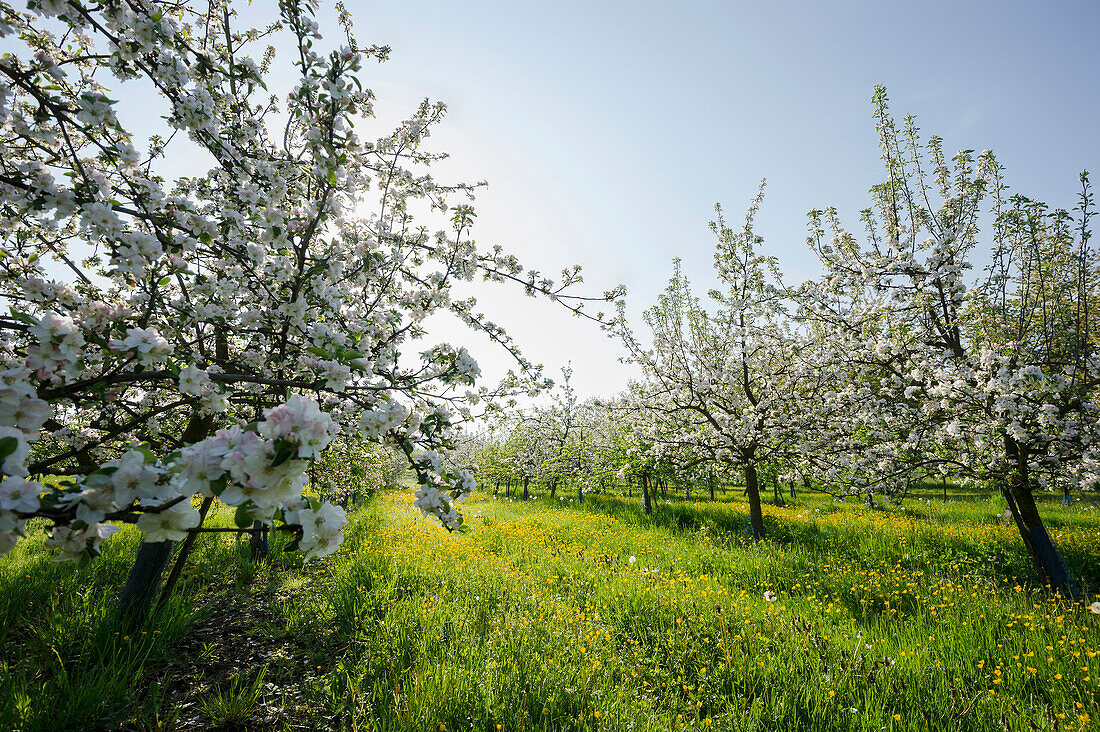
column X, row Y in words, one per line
column 559, row 616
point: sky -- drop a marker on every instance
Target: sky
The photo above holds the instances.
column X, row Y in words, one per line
column 608, row 130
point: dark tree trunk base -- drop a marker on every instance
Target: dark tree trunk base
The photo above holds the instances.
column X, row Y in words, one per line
column 756, row 515
column 142, row 583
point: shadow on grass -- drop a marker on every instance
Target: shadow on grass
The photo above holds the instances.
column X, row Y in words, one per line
column 946, row 535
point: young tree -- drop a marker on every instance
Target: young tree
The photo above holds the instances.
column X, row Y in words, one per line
column 719, row 382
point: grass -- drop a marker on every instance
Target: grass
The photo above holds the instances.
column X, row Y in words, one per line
column 918, row 617
column 235, row 705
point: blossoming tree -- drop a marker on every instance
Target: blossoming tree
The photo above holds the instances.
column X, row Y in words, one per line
column 719, row 383
column 175, row 339
column 992, row 380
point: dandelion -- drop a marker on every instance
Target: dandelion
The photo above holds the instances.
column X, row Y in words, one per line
column 1095, row 607
column 770, row 596
column 1095, row 604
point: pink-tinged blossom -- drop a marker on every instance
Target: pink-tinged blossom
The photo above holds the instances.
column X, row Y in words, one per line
column 322, row 530
column 147, row 344
column 170, row 524
column 19, row 495
column 299, row 420
column 193, row 380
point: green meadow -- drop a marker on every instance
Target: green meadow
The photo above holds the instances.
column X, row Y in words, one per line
column 575, row 616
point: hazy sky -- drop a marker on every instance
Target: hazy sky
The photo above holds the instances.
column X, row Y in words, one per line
column 608, row 130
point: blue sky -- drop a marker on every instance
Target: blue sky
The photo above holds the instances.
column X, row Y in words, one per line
column 608, row 130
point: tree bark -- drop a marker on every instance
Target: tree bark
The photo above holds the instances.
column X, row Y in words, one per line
column 756, row 515
column 257, row 541
column 647, row 502
column 526, row 492
column 141, row 584
column 1044, row 555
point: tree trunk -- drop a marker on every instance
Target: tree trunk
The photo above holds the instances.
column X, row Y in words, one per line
column 1021, row 502
column 141, row 584
column 647, row 502
column 553, row 489
column 711, row 482
column 526, row 483
column 152, row 557
column 775, row 487
column 580, row 493
column 792, row 490
column 752, row 489
column 257, row 541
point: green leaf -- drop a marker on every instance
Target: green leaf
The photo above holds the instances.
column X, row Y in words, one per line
column 318, row 352
column 97, row 339
column 242, row 517
column 292, row 545
column 29, row 320
column 284, row 453
column 147, row 451
column 218, row 485
column 8, row 445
